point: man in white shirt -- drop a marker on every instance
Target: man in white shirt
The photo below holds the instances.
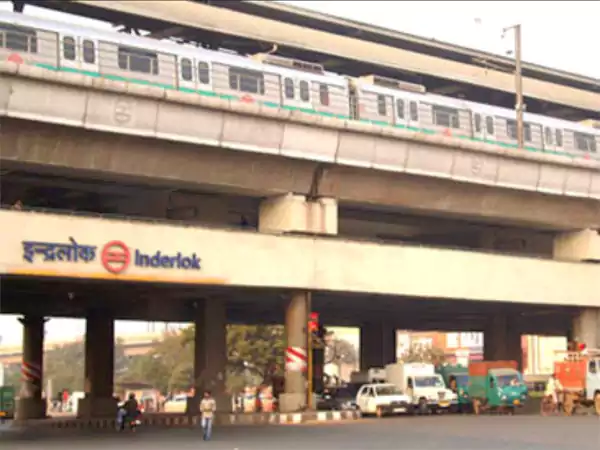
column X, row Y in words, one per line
column 553, row 387
column 208, row 406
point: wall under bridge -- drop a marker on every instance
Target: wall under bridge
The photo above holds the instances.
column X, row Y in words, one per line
column 44, row 245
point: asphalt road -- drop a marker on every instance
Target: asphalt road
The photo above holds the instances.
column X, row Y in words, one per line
column 418, row 433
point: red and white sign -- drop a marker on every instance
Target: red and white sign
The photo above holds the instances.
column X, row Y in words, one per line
column 296, row 359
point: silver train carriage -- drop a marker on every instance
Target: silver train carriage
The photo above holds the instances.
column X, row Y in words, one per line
column 279, row 82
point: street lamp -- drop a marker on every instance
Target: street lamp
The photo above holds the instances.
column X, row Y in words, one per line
column 519, row 106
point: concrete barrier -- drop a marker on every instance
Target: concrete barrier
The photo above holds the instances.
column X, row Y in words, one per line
column 184, row 421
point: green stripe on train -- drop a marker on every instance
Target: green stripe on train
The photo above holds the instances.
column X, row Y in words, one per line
column 286, row 107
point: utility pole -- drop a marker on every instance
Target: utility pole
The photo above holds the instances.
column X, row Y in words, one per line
column 519, row 106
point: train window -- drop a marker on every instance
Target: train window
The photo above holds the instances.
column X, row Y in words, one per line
column 304, row 91
column 445, row 117
column 585, row 142
column 135, row 60
column 548, row 135
column 399, row 108
column 186, row 69
column 477, row 123
column 69, row 48
column 414, row 112
column 489, row 125
column 381, row 106
column 203, row 73
column 21, row 39
column 324, row 94
column 511, row 130
column 288, row 88
column 245, row 80
column 558, row 136
column 89, row 52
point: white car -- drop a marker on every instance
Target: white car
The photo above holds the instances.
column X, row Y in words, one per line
column 382, row 399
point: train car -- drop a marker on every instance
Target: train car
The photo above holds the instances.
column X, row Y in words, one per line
column 278, row 82
column 89, row 51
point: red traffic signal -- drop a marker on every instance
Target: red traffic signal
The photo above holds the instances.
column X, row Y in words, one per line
column 581, row 346
column 313, row 322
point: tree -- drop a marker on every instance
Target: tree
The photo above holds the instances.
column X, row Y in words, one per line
column 65, row 365
column 340, row 352
column 425, row 354
column 252, row 351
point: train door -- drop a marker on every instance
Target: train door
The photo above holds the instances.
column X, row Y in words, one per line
column 77, row 53
column 296, row 92
column 477, row 126
column 548, row 139
column 401, row 112
column 414, row 115
column 185, row 73
column 489, row 130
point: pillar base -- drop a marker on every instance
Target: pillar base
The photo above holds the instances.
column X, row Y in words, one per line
column 289, row 403
column 30, row 408
column 89, row 407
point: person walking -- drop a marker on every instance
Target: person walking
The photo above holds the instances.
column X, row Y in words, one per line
column 208, row 406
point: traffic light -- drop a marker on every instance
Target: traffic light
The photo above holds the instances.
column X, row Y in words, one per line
column 313, row 322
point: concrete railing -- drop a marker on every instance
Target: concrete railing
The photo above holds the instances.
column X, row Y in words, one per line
column 33, row 93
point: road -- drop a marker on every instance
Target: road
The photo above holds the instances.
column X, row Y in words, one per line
column 422, row 433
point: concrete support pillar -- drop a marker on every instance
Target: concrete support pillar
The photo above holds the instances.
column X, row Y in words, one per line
column 378, row 344
column 210, row 355
column 31, row 404
column 99, row 400
column 294, row 213
column 586, row 327
column 578, row 246
column 502, row 340
column 296, row 321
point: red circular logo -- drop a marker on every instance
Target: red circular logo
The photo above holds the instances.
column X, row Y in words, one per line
column 115, row 257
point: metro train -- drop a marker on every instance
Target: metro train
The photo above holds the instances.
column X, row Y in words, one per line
column 280, row 82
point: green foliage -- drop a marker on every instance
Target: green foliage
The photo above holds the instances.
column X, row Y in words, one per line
column 252, row 351
column 12, row 376
column 339, row 351
column 169, row 366
column 424, row 354
column 65, row 365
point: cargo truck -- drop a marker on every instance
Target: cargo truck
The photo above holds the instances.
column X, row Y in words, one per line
column 7, row 402
column 426, row 389
column 579, row 374
column 456, row 378
column 496, row 385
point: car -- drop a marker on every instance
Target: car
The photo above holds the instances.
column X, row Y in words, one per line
column 382, row 399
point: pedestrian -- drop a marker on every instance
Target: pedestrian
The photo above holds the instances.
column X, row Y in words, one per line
column 553, row 388
column 208, row 406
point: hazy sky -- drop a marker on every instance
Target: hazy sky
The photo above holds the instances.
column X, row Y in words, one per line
column 560, row 34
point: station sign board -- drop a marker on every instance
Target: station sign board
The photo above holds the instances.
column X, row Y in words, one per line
column 115, row 256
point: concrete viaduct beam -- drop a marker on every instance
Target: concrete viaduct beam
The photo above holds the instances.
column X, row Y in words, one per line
column 66, row 150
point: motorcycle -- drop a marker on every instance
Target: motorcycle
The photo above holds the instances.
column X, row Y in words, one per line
column 126, row 421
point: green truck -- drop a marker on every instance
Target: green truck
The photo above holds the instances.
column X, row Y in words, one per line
column 496, row 385
column 456, row 378
column 7, row 402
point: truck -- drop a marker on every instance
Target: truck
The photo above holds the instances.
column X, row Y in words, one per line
column 496, row 385
column 426, row 389
column 456, row 377
column 579, row 374
column 7, row 402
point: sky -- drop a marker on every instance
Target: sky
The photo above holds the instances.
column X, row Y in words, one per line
column 555, row 34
